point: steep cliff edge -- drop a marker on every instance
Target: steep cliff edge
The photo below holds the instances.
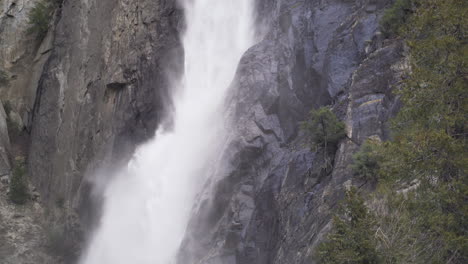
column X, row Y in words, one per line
column 101, row 94
column 23, row 237
column 83, row 98
column 97, row 86
column 272, row 203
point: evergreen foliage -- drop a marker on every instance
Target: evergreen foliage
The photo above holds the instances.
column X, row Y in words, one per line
column 422, row 171
column 352, row 239
column 366, row 161
column 395, row 17
column 324, row 128
column 18, row 185
column 39, row 18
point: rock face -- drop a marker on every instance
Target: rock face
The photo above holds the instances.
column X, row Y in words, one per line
column 23, row 239
column 272, row 201
column 101, row 92
column 97, row 86
column 22, row 59
column 85, row 96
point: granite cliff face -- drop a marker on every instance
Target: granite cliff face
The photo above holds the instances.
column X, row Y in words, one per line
column 84, row 97
column 102, row 91
column 97, row 86
column 272, row 202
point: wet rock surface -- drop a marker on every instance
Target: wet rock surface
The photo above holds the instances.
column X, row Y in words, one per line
column 272, row 200
column 79, row 100
column 97, row 86
column 100, row 94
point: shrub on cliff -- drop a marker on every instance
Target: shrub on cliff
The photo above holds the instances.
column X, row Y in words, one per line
column 423, row 169
column 324, row 128
column 395, row 17
column 351, row 240
column 366, row 162
column 18, row 184
column 39, row 18
column 4, row 79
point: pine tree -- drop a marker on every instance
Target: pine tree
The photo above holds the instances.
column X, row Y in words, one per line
column 352, row 239
column 324, row 128
column 423, row 169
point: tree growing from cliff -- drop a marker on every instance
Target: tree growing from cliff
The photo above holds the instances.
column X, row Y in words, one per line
column 430, row 132
column 366, row 162
column 424, row 167
column 352, row 238
column 39, row 18
column 4, row 79
column 395, row 17
column 324, row 128
column 18, row 185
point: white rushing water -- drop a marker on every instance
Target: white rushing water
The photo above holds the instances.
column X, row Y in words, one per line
column 146, row 207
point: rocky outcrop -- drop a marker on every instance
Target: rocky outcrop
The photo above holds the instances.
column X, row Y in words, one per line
column 24, row 240
column 99, row 96
column 82, row 99
column 97, row 86
column 22, row 58
column 273, row 198
column 22, row 237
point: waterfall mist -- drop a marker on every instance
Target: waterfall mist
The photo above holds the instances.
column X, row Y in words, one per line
column 146, row 206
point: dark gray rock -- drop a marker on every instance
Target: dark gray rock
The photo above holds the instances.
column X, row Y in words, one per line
column 101, row 93
column 22, row 57
column 4, row 144
column 103, row 90
column 271, row 202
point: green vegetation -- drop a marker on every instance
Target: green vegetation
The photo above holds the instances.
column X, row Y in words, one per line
column 4, row 79
column 324, row 128
column 421, row 214
column 18, row 185
column 352, row 239
column 366, row 161
column 40, row 16
column 395, row 17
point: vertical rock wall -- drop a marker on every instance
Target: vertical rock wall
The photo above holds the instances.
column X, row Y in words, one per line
column 101, row 93
column 86, row 95
column 22, row 59
column 23, row 238
column 97, row 86
column 271, row 201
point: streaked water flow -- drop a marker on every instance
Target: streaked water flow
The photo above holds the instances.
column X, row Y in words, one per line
column 147, row 206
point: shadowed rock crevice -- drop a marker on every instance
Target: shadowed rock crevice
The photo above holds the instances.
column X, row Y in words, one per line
column 98, row 85
column 313, row 53
column 103, row 91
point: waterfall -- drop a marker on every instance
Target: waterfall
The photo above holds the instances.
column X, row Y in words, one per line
column 146, row 206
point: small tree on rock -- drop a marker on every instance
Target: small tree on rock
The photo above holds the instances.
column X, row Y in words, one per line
column 39, row 18
column 324, row 128
column 366, row 162
column 352, row 239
